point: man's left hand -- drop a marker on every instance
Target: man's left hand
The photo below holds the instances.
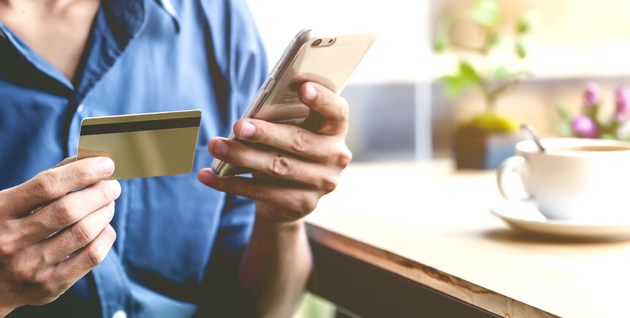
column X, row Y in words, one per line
column 301, row 166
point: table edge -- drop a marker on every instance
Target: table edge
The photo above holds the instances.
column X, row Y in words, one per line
column 451, row 285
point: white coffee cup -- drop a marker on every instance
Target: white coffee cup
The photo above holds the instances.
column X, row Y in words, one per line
column 574, row 179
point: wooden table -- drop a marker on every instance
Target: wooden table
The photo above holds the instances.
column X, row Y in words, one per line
column 417, row 240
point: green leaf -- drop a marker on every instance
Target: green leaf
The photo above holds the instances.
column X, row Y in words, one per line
column 467, row 73
column 452, row 86
column 527, row 21
column 501, row 73
column 466, row 78
column 564, row 129
column 441, row 43
column 592, row 112
column 607, row 136
column 442, row 39
column 564, row 114
column 521, row 48
column 486, row 12
column 456, row 84
column 495, row 40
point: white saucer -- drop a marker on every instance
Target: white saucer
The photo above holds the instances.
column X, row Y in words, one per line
column 525, row 217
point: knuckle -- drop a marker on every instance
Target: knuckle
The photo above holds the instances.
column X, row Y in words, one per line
column 104, row 190
column 324, row 102
column 344, row 157
column 24, row 273
column 46, row 185
column 329, row 183
column 95, row 255
column 84, row 176
column 49, row 288
column 300, row 142
column 309, row 203
column 229, row 185
column 7, row 247
column 67, row 211
column 280, row 165
column 81, row 233
column 256, row 193
column 264, row 133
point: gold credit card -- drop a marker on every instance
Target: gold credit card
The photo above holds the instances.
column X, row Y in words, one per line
column 143, row 145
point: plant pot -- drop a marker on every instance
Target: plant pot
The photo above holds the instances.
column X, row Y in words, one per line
column 476, row 148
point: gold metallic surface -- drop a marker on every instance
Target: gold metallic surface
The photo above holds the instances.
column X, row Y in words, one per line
column 141, row 154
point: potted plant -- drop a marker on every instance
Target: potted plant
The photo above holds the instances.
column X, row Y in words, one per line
column 589, row 123
column 491, row 68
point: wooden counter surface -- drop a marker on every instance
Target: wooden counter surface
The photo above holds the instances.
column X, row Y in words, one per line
column 431, row 224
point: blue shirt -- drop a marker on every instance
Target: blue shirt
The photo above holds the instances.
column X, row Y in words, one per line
column 178, row 242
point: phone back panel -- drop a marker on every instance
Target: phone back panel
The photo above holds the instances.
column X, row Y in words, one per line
column 330, row 66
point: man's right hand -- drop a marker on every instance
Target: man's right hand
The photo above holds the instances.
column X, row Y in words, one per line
column 35, row 266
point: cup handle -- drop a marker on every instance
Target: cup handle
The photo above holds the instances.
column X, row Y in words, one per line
column 509, row 166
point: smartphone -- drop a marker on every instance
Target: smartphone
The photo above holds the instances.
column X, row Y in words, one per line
column 328, row 61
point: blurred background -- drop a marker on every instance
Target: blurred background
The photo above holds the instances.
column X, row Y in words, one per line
column 398, row 103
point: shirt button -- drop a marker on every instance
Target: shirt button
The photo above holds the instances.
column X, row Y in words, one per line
column 120, row 314
column 80, row 109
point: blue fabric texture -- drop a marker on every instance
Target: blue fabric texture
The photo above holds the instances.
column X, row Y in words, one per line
column 178, row 241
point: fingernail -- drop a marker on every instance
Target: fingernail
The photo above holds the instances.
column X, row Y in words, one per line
column 205, row 176
column 310, row 93
column 115, row 186
column 220, row 148
column 247, row 130
column 107, row 166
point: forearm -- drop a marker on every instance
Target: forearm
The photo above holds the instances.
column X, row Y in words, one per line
column 275, row 266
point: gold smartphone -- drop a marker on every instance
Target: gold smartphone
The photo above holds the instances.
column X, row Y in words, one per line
column 328, row 61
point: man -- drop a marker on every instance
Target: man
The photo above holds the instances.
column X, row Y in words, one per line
column 219, row 247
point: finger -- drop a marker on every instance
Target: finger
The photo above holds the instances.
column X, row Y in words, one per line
column 295, row 199
column 59, row 246
column 274, row 163
column 332, row 107
column 66, row 273
column 62, row 163
column 288, row 138
column 53, row 183
column 68, row 210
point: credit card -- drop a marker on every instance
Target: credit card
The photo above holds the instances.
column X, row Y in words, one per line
column 142, row 145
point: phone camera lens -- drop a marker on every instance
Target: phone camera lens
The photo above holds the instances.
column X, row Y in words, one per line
column 317, row 42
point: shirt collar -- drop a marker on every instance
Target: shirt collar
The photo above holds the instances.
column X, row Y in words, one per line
column 131, row 15
column 127, row 17
column 168, row 7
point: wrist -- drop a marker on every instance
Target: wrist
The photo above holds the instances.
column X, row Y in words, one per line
column 273, row 217
column 283, row 226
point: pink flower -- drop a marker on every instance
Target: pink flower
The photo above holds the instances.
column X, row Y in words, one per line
column 584, row 126
column 591, row 94
column 622, row 97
